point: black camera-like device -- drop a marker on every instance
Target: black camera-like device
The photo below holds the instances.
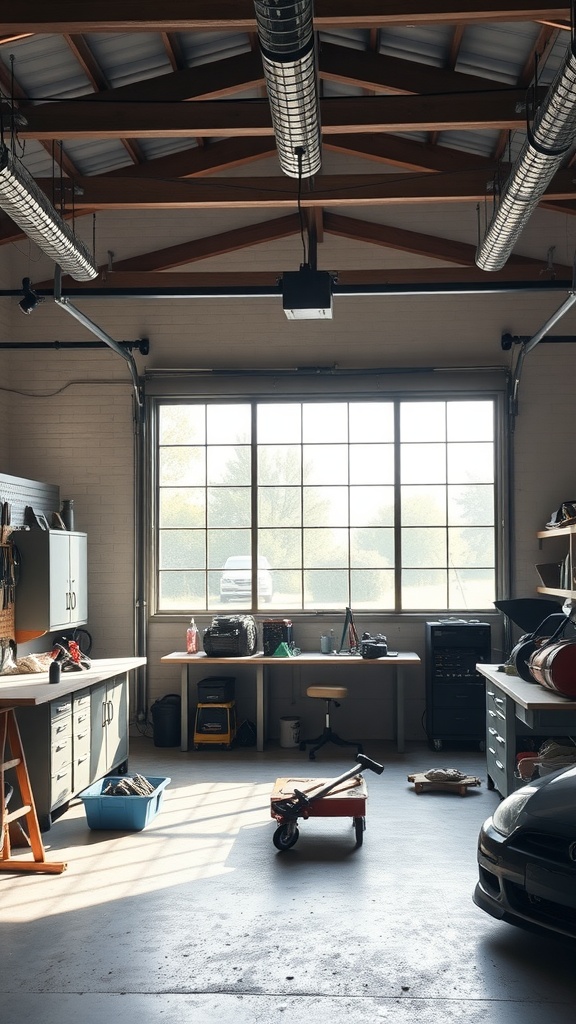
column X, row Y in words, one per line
column 373, row 646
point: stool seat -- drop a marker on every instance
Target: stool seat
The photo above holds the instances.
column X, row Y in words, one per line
column 327, row 692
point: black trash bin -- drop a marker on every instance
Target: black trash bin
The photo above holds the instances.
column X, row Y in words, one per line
column 166, row 718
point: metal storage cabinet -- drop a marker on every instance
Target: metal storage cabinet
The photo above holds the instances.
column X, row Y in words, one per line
column 455, row 692
column 52, row 590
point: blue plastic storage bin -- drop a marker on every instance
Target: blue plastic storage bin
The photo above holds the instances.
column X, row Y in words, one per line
column 122, row 813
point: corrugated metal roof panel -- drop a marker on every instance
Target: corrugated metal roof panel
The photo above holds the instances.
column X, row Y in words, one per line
column 45, row 67
column 129, row 57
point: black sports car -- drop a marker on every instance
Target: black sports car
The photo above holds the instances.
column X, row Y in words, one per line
column 527, row 856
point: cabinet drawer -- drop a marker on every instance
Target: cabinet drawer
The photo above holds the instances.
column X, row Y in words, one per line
column 81, row 701
column 81, row 738
column 459, row 695
column 61, row 708
column 458, row 722
column 61, row 753
column 81, row 768
column 496, row 701
column 61, row 786
column 496, row 768
column 496, row 740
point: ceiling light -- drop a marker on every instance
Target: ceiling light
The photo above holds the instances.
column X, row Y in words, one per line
column 549, row 139
column 286, row 34
column 307, row 294
column 23, row 200
column 31, row 299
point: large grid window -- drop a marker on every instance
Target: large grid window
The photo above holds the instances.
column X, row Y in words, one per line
column 384, row 505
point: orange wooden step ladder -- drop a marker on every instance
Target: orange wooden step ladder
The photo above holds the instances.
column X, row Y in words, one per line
column 10, row 736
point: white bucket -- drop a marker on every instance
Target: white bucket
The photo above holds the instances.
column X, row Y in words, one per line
column 289, row 731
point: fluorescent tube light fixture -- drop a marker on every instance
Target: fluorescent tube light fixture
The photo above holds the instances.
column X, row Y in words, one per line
column 28, row 206
column 307, row 294
column 286, row 34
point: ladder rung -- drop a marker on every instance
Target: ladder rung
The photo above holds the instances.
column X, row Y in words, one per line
column 20, row 812
column 11, row 764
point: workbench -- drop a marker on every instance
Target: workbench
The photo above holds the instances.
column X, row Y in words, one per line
column 514, row 708
column 383, row 671
column 73, row 732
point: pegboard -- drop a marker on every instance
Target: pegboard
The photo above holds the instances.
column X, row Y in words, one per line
column 19, row 493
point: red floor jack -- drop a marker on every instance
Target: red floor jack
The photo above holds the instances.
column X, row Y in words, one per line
column 343, row 797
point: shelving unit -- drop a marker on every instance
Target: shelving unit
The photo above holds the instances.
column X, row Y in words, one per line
column 567, row 535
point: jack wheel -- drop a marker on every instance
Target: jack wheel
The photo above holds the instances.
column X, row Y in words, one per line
column 359, row 829
column 285, row 836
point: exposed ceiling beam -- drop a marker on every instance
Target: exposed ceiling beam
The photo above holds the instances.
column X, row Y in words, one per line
column 176, row 16
column 392, row 237
column 107, row 193
column 501, row 108
column 181, row 281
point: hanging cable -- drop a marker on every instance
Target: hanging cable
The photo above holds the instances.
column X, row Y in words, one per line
column 300, row 156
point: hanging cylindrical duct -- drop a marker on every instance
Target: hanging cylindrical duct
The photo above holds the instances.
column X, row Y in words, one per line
column 285, row 30
column 551, row 137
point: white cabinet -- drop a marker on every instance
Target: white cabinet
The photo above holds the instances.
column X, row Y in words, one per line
column 52, row 590
column 109, row 726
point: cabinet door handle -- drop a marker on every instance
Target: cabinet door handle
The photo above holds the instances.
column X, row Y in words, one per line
column 498, row 700
column 500, row 765
column 104, row 713
column 72, row 601
column 492, row 731
column 492, row 713
column 111, row 711
column 67, row 600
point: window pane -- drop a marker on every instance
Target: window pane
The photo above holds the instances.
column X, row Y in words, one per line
column 470, row 421
column 287, row 593
column 422, row 420
column 325, row 588
column 279, row 506
column 229, row 465
column 224, row 544
column 470, row 547
column 425, row 547
column 372, row 588
column 424, row 589
column 325, row 506
column 471, row 506
column 282, row 548
column 182, row 549
column 182, row 424
column 182, row 506
column 182, row 590
column 279, row 464
column 371, row 506
column 423, row 463
column 371, row 547
column 229, row 506
column 325, row 548
column 324, row 421
column 181, row 466
column 228, row 424
column 279, row 424
column 325, row 464
column 470, row 589
column 371, row 421
column 371, row 464
column 470, row 462
column 423, row 506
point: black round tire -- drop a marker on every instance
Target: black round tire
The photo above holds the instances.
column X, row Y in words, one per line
column 285, row 837
column 359, row 827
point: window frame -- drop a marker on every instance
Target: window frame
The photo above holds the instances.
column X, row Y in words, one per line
column 502, row 482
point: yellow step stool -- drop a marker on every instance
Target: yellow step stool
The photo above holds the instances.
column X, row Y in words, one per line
column 215, row 724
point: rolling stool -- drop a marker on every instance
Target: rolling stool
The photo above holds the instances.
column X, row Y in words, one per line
column 332, row 695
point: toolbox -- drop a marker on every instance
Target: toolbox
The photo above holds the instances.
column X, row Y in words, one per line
column 216, row 689
column 276, row 632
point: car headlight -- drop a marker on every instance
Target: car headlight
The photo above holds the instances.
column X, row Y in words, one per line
column 507, row 813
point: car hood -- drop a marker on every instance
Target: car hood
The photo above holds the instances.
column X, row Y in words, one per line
column 553, row 800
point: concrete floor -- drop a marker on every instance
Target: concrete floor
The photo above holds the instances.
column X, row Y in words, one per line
column 199, row 919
